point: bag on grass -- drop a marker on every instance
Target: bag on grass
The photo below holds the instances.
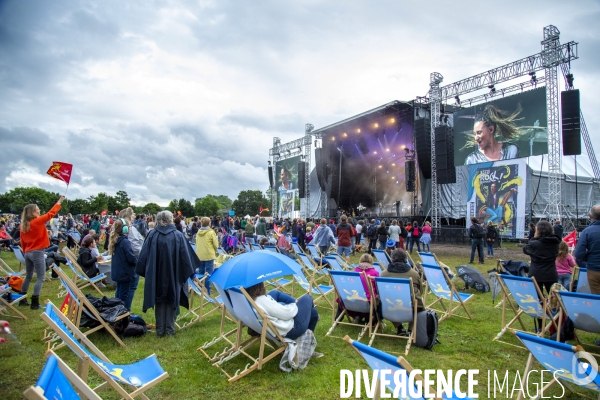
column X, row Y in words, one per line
column 298, row 352
column 427, row 327
column 16, row 283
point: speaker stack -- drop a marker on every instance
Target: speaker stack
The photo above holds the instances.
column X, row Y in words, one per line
column 302, row 179
column 423, row 145
column 571, row 123
column 444, row 155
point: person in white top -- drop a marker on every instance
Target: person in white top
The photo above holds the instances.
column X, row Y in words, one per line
column 290, row 317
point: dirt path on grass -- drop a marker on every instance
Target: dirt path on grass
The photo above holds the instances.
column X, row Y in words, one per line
column 506, row 253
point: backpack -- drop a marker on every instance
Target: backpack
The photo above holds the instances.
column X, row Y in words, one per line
column 69, row 223
column 427, row 328
column 416, row 231
column 372, row 231
column 478, row 232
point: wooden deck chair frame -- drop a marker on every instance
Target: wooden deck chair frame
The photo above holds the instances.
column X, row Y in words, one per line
column 37, row 393
column 297, row 249
column 365, row 328
column 345, row 266
column 407, row 282
column 268, row 333
column 559, row 350
column 518, row 312
column 415, row 266
column 85, row 362
column 310, row 286
column 564, row 313
column 77, row 303
column 316, row 271
column 8, row 271
column 19, row 255
column 6, row 306
column 247, row 247
column 316, row 253
column 334, row 263
column 79, row 277
column 582, row 287
column 196, row 289
column 384, row 255
column 447, row 311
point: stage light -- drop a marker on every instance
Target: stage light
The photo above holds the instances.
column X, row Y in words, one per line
column 457, row 100
column 393, row 164
column 376, row 125
column 345, row 134
column 358, row 130
column 392, row 120
column 375, row 152
column 269, row 163
column 380, row 166
column 403, row 147
column 332, row 138
column 570, row 79
column 387, row 149
column 393, row 177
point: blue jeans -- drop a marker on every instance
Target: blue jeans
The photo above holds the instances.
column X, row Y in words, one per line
column 126, row 290
column 206, row 267
column 414, row 240
column 307, row 316
column 426, row 247
column 344, row 250
column 52, row 247
column 477, row 244
column 490, row 248
column 565, row 280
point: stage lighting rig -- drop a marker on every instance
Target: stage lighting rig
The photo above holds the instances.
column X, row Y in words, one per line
column 492, row 90
column 570, row 78
column 457, row 100
column 269, row 162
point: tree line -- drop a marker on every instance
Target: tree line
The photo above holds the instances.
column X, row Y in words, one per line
column 247, row 202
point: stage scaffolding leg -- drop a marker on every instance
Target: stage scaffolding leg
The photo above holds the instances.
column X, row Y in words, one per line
column 435, row 101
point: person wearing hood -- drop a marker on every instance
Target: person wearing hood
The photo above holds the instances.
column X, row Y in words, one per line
column 344, row 234
column 399, row 268
column 261, row 229
column 365, row 265
column 558, row 229
column 166, row 261
column 123, row 262
column 206, row 249
column 323, row 237
column 86, row 260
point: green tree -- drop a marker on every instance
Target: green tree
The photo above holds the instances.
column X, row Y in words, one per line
column 207, row 206
column 122, row 199
column 16, row 199
column 249, row 202
column 223, row 200
column 99, row 203
column 152, row 208
column 183, row 205
column 76, row 206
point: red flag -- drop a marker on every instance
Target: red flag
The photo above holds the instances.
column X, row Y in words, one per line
column 103, row 213
column 64, row 308
column 260, row 210
column 61, row 171
column 571, row 239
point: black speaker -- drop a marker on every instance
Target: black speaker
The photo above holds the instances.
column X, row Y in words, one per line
column 423, row 145
column 410, row 173
column 301, row 179
column 321, row 166
column 333, row 170
column 571, row 122
column 270, row 176
column 362, row 145
column 444, row 155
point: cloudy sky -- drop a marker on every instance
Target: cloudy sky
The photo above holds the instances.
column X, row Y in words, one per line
column 170, row 99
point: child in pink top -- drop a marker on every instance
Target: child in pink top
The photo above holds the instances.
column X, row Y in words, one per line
column 564, row 265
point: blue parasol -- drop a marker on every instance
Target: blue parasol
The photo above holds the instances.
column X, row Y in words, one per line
column 251, row 268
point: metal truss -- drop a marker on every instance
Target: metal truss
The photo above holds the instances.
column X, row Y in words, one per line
column 435, row 101
column 484, row 98
column 308, row 128
column 274, row 210
column 295, row 146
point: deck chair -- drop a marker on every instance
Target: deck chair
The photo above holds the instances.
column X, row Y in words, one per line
column 334, row 264
column 251, row 316
column 341, row 261
column 317, row 272
column 196, row 313
column 441, row 286
column 382, row 258
column 138, row 377
column 313, row 288
column 74, row 234
column 527, row 294
column 56, row 381
column 79, row 277
column 380, row 361
column 297, row 249
column 398, row 305
column 351, row 293
column 274, row 249
column 6, row 306
column 562, row 361
column 78, row 302
column 314, row 251
column 583, row 309
column 247, row 247
column 5, row 270
column 18, row 252
column 221, row 251
column 580, row 282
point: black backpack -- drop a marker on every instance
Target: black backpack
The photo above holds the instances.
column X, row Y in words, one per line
column 372, row 231
column 427, row 327
column 478, row 232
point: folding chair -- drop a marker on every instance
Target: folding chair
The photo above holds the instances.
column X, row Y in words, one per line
column 274, row 249
column 582, row 309
column 79, row 277
column 382, row 258
column 341, row 261
column 351, row 293
column 316, row 271
column 139, row 376
column 334, row 264
column 18, row 252
column 562, row 361
column 398, row 305
column 527, row 294
column 56, row 381
column 380, row 361
column 310, row 286
column 314, row 251
column 251, row 316
column 442, row 287
column 297, row 249
column 8, row 271
column 247, row 247
column 6, row 305
column 221, row 251
column 78, row 302
column 196, row 289
column 580, row 282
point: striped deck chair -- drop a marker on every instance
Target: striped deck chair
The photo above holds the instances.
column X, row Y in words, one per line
column 18, row 252
column 380, row 361
column 137, row 377
column 5, row 270
column 580, row 282
column 56, row 381
column 251, row 316
column 527, row 294
column 431, row 259
column 351, row 292
column 583, row 309
column 563, row 362
column 441, row 286
column 382, row 258
column 398, row 305
column 79, row 277
column 196, row 313
column 78, row 302
column 9, row 305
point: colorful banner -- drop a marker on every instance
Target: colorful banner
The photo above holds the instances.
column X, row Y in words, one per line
column 497, row 194
column 286, row 177
column 60, row 170
column 286, row 203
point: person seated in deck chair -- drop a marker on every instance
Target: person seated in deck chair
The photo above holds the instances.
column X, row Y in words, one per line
column 291, row 317
column 365, row 264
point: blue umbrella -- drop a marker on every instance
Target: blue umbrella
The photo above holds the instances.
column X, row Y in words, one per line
column 251, row 268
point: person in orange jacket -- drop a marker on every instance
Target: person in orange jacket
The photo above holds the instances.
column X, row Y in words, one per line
column 34, row 240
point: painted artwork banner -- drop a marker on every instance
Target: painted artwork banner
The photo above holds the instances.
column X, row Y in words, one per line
column 497, row 194
column 286, row 203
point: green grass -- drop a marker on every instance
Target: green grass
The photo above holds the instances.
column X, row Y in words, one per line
column 464, row 345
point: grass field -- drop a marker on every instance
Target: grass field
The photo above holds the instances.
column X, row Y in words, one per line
column 464, row 345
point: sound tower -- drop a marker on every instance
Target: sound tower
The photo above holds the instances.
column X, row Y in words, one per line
column 270, row 176
column 333, row 168
column 423, row 145
column 321, row 166
column 301, row 179
column 410, row 173
column 444, row 155
column 571, row 122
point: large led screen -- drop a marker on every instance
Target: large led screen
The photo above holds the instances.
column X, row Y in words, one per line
column 503, row 129
column 286, row 174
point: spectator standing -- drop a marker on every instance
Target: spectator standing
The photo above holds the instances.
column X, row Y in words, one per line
column 426, row 236
column 372, row 236
column 261, row 229
column 382, row 235
column 323, row 237
column 123, row 262
column 543, row 250
column 95, row 224
column 415, row 234
column 395, row 232
column 249, row 231
column 359, row 231
column 490, row 238
column 206, row 249
column 477, row 234
column 403, row 234
column 558, row 229
column 332, row 226
column 531, row 233
column 564, row 265
column 587, row 253
column 344, row 234
column 301, row 234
